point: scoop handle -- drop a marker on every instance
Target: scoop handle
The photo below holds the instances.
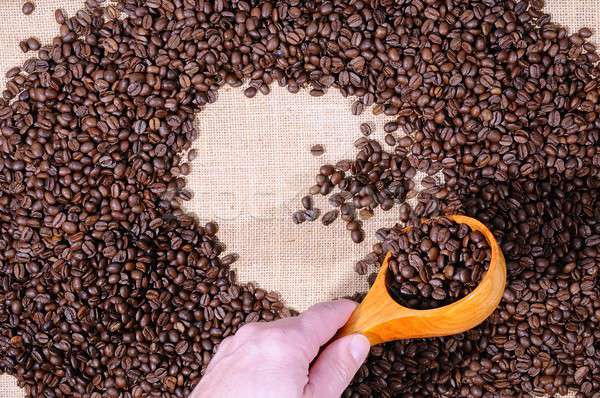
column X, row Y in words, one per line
column 377, row 305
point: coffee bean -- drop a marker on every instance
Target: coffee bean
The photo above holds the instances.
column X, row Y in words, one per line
column 315, row 189
column 390, row 127
column 250, row 92
column 585, row 33
column 307, row 202
column 353, row 225
column 298, row 217
column 181, row 347
column 327, row 170
column 229, row 259
column 192, row 155
column 390, row 140
column 366, row 129
column 358, row 235
column 329, row 217
column 365, row 214
column 357, row 108
column 354, row 21
column 312, row 214
column 361, row 267
column 28, row 7
column 317, row 150
column 33, row 44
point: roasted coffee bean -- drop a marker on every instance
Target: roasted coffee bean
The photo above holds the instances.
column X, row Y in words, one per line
column 298, row 217
column 315, row 189
column 307, row 202
column 33, row 44
column 390, row 127
column 365, row 213
column 192, row 155
column 357, row 108
column 390, row 140
column 312, row 214
column 24, row 46
column 358, row 235
column 28, row 7
column 250, row 92
column 361, row 267
column 366, row 129
column 327, row 170
column 317, row 150
column 329, row 217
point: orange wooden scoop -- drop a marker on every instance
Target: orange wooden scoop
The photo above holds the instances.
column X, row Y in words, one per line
column 381, row 319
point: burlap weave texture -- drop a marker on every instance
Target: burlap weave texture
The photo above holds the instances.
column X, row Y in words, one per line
column 255, row 164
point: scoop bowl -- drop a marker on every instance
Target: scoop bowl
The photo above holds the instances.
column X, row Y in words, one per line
column 380, row 318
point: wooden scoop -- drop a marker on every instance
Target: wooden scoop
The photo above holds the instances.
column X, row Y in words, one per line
column 382, row 319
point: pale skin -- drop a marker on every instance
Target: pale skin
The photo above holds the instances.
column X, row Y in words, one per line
column 289, row 358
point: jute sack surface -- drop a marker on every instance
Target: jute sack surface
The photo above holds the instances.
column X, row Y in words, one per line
column 255, row 164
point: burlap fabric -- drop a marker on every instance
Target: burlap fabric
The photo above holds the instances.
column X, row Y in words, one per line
column 255, row 164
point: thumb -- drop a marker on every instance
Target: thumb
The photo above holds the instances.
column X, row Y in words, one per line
column 336, row 366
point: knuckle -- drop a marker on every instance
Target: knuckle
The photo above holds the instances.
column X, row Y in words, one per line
column 269, row 340
column 275, row 335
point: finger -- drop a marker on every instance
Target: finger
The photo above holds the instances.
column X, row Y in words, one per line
column 336, row 366
column 322, row 321
column 224, row 349
column 306, row 332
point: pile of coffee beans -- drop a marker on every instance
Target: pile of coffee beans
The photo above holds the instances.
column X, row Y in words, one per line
column 435, row 263
column 108, row 288
column 543, row 337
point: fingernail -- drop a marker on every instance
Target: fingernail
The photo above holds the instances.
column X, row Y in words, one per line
column 359, row 347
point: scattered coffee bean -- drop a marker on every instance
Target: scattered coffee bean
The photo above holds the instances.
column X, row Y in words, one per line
column 371, row 181
column 358, row 235
column 390, row 140
column 299, row 217
column 250, row 92
column 33, row 44
column 28, row 7
column 24, row 46
column 585, row 33
column 312, row 214
column 390, row 127
column 366, row 129
column 357, row 108
column 365, row 213
column 192, row 155
column 329, row 217
column 307, row 202
column 317, row 150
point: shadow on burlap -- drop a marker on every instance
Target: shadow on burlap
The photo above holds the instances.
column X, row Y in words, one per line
column 255, row 164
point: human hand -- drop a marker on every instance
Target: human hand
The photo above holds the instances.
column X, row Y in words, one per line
column 273, row 359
